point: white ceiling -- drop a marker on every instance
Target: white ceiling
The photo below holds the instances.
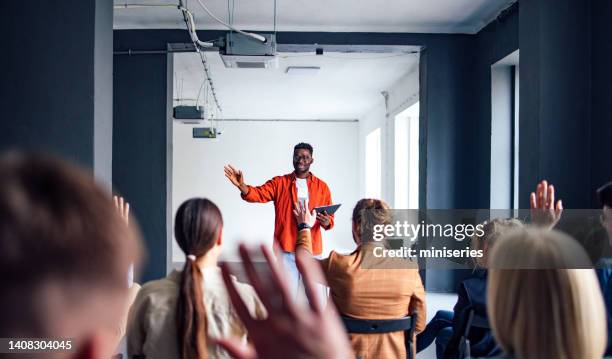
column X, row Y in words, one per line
column 425, row 16
column 347, row 86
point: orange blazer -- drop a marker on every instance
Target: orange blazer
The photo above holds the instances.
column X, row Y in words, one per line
column 379, row 289
column 282, row 191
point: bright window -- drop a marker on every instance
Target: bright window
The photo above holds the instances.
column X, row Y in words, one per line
column 407, row 158
column 373, row 159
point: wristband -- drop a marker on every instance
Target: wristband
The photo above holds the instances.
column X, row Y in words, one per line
column 303, row 226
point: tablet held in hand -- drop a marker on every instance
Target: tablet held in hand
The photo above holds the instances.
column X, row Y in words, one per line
column 331, row 209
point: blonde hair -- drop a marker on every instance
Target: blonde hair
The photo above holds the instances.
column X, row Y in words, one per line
column 369, row 212
column 493, row 230
column 554, row 312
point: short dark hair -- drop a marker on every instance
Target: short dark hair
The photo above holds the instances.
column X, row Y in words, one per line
column 303, row 146
column 604, row 193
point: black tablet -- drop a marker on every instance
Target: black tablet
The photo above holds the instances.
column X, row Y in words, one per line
column 331, row 209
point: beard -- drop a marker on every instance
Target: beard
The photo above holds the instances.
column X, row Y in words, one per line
column 301, row 168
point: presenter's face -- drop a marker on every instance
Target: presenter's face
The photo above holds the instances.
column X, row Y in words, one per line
column 302, row 160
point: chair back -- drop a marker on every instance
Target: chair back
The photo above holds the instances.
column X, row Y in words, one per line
column 459, row 345
column 380, row 326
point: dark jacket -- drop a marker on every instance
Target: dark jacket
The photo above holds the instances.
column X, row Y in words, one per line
column 472, row 293
column 604, row 274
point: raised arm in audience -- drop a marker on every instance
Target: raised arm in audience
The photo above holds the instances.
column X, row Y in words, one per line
column 123, row 208
column 545, row 212
column 289, row 331
column 304, row 240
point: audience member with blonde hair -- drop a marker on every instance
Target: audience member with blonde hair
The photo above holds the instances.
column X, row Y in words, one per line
column 369, row 288
column 540, row 303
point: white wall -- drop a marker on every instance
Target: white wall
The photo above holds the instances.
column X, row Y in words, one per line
column 263, row 150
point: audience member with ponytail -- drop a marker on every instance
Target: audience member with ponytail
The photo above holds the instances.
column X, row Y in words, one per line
column 176, row 317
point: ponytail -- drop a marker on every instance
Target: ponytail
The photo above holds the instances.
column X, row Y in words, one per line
column 197, row 227
column 191, row 317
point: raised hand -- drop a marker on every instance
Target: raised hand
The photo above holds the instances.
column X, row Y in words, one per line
column 544, row 211
column 289, row 331
column 235, row 176
column 123, row 208
column 302, row 215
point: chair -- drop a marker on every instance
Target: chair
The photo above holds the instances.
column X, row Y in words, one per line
column 379, row 326
column 459, row 345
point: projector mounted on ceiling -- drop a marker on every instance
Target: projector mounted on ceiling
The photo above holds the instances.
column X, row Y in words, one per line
column 250, row 62
column 189, row 115
column 244, row 52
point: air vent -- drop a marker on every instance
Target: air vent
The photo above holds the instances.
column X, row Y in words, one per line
column 250, row 62
column 302, row 70
column 250, row 65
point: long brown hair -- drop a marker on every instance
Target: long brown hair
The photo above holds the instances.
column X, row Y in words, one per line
column 197, row 226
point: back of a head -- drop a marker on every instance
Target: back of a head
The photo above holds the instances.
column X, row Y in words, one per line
column 197, row 227
column 540, row 304
column 604, row 193
column 369, row 212
column 493, row 230
column 64, row 251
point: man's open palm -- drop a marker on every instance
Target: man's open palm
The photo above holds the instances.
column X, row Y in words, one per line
column 234, row 175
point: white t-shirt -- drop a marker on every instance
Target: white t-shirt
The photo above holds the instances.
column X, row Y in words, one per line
column 302, row 189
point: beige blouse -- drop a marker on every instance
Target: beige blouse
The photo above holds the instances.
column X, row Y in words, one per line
column 151, row 330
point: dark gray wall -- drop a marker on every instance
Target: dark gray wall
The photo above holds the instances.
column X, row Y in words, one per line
column 448, row 117
column 601, row 95
column 139, row 149
column 555, row 96
column 56, row 78
column 459, row 151
column 496, row 41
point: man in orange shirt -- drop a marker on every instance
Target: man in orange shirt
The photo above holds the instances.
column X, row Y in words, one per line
column 285, row 191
